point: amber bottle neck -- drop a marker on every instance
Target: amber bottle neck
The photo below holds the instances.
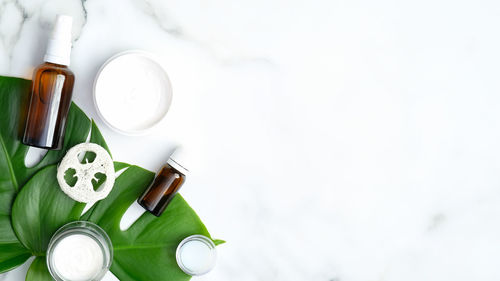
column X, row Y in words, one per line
column 55, row 64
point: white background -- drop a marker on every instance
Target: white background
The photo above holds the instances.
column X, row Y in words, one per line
column 333, row 140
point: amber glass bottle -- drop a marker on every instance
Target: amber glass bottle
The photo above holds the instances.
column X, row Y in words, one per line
column 52, row 90
column 49, row 106
column 167, row 182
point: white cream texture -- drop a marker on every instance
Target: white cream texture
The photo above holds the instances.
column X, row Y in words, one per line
column 133, row 92
column 196, row 256
column 78, row 257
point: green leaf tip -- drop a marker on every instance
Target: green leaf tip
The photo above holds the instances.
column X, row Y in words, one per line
column 218, row 242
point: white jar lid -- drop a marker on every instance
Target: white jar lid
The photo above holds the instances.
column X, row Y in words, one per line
column 132, row 92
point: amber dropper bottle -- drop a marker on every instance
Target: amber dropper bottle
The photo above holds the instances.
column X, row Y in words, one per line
column 52, row 91
column 167, row 182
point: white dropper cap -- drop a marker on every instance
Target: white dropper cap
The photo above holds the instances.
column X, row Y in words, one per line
column 59, row 46
column 178, row 160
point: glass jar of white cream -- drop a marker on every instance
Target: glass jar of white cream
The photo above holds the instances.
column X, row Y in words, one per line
column 196, row 255
column 79, row 251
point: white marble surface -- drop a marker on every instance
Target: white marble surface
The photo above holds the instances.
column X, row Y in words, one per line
column 335, row 140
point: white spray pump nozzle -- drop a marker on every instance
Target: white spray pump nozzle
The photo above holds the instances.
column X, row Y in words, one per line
column 59, row 46
column 62, row 27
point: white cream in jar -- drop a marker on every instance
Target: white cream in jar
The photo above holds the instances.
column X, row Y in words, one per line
column 196, row 255
column 79, row 251
column 78, row 257
column 132, row 92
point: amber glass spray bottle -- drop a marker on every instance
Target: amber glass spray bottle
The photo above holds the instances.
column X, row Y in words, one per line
column 167, row 182
column 52, row 91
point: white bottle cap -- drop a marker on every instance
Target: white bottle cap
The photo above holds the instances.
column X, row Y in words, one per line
column 178, row 160
column 59, row 46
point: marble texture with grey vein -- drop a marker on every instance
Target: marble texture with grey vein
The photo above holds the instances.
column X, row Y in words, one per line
column 334, row 140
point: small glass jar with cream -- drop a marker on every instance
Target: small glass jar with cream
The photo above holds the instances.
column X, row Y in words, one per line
column 196, row 255
column 79, row 250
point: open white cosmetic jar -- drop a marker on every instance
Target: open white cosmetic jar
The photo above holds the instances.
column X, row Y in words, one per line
column 196, row 255
column 79, row 251
column 132, row 92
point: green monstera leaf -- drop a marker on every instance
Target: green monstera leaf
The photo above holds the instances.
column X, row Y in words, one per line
column 39, row 271
column 40, row 209
column 13, row 171
column 150, row 243
column 33, row 207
